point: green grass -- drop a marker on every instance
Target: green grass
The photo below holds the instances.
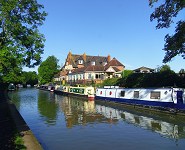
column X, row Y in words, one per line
column 19, row 143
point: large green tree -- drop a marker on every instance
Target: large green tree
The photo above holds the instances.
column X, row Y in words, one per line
column 30, row 77
column 165, row 14
column 48, row 69
column 21, row 44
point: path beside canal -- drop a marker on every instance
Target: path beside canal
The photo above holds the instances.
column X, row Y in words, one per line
column 11, row 123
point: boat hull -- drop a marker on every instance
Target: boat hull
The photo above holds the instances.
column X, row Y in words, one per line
column 70, row 94
column 145, row 103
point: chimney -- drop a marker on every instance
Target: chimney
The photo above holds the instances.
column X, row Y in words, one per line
column 69, row 57
column 108, row 58
column 84, row 57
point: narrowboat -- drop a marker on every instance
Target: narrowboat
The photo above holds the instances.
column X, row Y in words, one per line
column 161, row 98
column 47, row 87
column 87, row 92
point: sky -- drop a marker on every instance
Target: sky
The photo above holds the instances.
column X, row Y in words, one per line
column 119, row 28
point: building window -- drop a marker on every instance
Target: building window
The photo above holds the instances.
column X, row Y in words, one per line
column 80, row 62
column 122, row 93
column 155, row 95
column 136, row 94
column 97, row 76
column 89, row 76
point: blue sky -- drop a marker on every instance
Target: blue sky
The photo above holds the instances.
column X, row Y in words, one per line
column 121, row 28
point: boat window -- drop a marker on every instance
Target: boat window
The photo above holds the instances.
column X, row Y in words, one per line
column 122, row 93
column 136, row 94
column 155, row 95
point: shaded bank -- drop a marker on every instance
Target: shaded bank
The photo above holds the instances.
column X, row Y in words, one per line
column 12, row 125
column 7, row 126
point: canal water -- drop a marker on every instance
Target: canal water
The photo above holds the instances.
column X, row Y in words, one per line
column 67, row 123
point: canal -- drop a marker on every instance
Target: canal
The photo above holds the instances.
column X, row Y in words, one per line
column 67, row 123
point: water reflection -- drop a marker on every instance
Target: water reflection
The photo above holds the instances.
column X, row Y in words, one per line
column 170, row 126
column 47, row 107
column 82, row 112
column 57, row 120
column 166, row 129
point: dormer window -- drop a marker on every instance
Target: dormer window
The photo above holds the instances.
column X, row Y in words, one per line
column 80, row 62
column 93, row 63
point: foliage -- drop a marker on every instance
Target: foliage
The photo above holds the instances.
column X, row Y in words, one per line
column 165, row 68
column 182, row 71
column 175, row 44
column 30, row 77
column 159, row 79
column 21, row 77
column 110, row 82
column 19, row 143
column 20, row 40
column 126, row 73
column 48, row 69
column 14, row 76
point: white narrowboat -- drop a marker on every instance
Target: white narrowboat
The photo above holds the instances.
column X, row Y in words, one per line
column 172, row 98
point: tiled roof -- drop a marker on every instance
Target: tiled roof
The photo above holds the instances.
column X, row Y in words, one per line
column 88, row 68
column 114, row 62
column 143, row 68
column 116, row 69
column 95, row 68
column 73, row 59
column 92, row 63
column 78, row 70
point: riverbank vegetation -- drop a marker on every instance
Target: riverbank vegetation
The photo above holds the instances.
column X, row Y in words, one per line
column 48, row 69
column 24, row 78
column 165, row 77
column 21, row 43
column 19, row 143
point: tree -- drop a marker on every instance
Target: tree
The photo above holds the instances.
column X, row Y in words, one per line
column 30, row 77
column 174, row 44
column 48, row 69
column 20, row 41
column 165, row 68
column 126, row 73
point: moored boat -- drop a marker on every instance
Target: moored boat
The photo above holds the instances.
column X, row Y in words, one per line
column 161, row 98
column 87, row 92
column 11, row 87
column 91, row 96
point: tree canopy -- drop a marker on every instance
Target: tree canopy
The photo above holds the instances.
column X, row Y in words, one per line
column 21, row 44
column 30, row 77
column 164, row 13
column 48, row 69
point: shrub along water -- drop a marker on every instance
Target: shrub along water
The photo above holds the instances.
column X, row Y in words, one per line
column 160, row 79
